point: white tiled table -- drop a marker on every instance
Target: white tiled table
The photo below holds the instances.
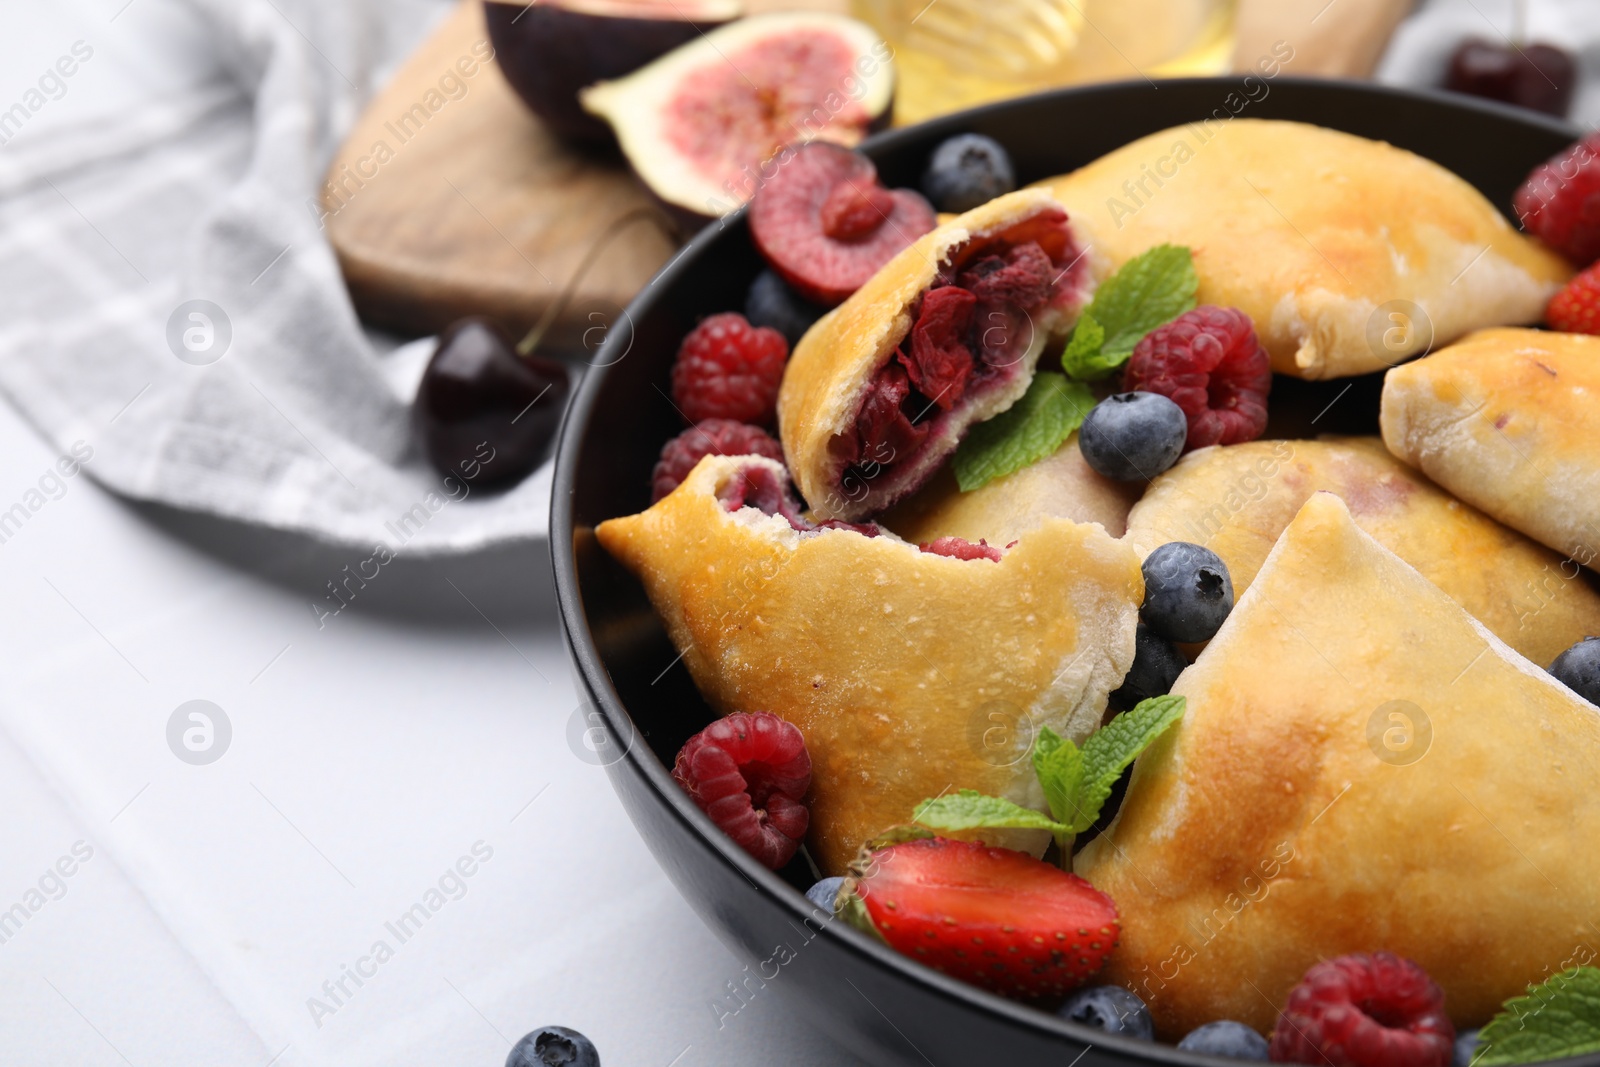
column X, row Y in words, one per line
column 222, row 907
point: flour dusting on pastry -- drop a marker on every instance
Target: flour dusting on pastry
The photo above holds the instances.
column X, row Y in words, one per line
column 911, row 649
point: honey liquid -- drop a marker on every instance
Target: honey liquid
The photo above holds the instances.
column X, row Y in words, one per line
column 951, row 54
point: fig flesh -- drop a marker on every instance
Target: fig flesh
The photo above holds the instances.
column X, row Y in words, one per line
column 708, row 123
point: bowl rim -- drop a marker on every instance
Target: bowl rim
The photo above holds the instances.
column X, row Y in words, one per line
column 596, row 683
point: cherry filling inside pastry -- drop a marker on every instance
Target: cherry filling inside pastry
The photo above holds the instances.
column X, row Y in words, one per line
column 970, row 331
column 760, row 487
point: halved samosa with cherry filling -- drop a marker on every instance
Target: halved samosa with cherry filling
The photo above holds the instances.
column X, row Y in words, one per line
column 1237, row 500
column 880, row 391
column 909, row 672
column 1360, row 767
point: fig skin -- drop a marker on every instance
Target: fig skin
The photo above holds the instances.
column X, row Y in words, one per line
column 548, row 52
column 755, row 124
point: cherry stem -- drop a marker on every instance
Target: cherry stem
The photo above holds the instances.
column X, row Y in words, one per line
column 531, row 341
column 1519, row 22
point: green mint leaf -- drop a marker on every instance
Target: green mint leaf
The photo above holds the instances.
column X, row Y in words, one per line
column 1031, row 429
column 1059, row 765
column 1150, row 290
column 1557, row 1019
column 969, row 809
column 1082, row 359
column 1109, row 750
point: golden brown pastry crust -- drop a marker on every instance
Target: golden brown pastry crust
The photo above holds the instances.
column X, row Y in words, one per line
column 1508, row 420
column 1237, row 500
column 1309, row 231
column 1061, row 486
column 1264, row 832
column 833, row 363
column 891, row 661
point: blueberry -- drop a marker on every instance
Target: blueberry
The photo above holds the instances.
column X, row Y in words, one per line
column 1466, row 1048
column 554, row 1046
column 1132, row 437
column 823, row 893
column 1112, row 1009
column 1156, row 665
column 772, row 303
column 1187, row 592
column 1226, row 1038
column 967, row 170
column 1578, row 668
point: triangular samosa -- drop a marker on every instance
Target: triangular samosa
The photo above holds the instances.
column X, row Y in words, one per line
column 910, row 673
column 1508, row 420
column 1361, row 766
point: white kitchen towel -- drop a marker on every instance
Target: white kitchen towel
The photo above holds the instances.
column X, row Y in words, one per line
column 1419, row 53
column 169, row 298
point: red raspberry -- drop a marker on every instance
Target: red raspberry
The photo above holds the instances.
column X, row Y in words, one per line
column 1576, row 309
column 1209, row 363
column 1365, row 1010
column 728, row 369
column 750, row 773
column 713, row 437
column 1560, row 201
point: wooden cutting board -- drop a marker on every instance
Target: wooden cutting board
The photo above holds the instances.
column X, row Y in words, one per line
column 440, row 206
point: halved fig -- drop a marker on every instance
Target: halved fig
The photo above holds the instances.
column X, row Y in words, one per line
column 550, row 50
column 704, row 124
column 825, row 224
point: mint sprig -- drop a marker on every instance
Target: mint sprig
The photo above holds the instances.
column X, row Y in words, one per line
column 1082, row 359
column 1110, row 749
column 1149, row 290
column 1077, row 782
column 1031, row 429
column 1556, row 1019
column 1058, row 764
column 969, row 809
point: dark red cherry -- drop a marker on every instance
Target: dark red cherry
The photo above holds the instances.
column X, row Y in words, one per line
column 1537, row 76
column 486, row 414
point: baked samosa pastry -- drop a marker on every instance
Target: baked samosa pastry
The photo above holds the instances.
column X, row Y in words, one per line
column 1508, row 420
column 1318, row 236
column 1360, row 767
column 1060, row 486
column 880, row 390
column 1237, row 500
column 896, row 664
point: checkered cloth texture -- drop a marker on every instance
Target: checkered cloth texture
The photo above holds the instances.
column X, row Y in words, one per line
column 199, row 186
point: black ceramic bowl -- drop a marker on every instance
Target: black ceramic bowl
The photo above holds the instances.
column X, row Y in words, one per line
column 641, row 701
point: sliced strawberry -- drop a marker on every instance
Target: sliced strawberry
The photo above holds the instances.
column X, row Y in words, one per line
column 993, row 917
